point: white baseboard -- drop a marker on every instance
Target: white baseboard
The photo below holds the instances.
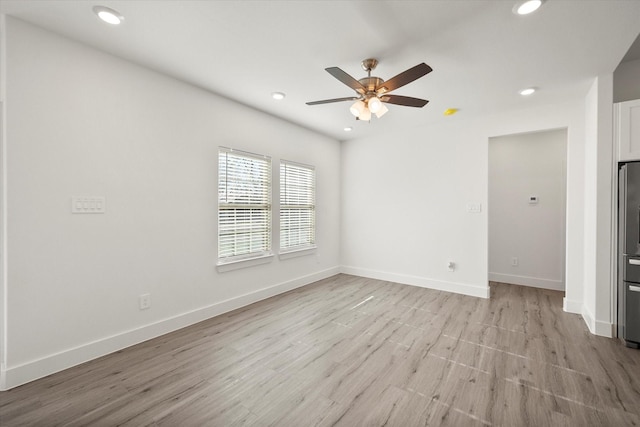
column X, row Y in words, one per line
column 597, row 327
column 604, row 329
column 534, row 282
column 571, row 306
column 21, row 374
column 481, row 291
column 588, row 318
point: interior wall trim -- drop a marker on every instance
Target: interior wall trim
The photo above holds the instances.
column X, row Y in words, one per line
column 534, row 282
column 597, row 327
column 24, row 373
column 604, row 329
column 480, row 290
column 4, row 261
column 571, row 306
column 588, row 318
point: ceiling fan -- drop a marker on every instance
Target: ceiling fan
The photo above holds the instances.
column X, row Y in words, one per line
column 373, row 92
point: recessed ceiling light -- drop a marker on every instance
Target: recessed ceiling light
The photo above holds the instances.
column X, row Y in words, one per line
column 527, row 91
column 109, row 16
column 278, row 96
column 348, row 129
column 527, row 7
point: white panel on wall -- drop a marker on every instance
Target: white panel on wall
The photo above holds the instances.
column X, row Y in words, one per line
column 527, row 181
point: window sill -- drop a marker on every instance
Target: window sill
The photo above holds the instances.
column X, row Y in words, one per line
column 223, row 267
column 294, row 253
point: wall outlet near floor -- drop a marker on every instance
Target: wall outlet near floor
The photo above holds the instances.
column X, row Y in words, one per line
column 514, row 261
column 144, row 301
column 451, row 266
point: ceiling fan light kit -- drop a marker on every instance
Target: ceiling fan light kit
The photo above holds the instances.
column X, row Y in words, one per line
column 365, row 115
column 382, row 112
column 357, row 108
column 373, row 92
column 374, row 104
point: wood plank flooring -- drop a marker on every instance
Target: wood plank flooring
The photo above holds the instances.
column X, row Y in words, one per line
column 350, row 351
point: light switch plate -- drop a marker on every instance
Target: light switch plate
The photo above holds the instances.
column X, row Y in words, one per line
column 88, row 205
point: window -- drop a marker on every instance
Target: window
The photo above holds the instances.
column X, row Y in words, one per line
column 244, row 205
column 297, row 206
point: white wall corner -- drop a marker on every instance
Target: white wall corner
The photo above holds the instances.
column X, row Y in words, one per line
column 33, row 370
column 606, row 172
column 597, row 327
column 604, row 329
column 3, row 204
column 588, row 318
column 3, row 379
column 480, row 291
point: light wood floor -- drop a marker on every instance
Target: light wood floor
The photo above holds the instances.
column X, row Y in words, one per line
column 350, row 351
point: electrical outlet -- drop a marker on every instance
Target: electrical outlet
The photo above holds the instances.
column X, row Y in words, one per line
column 144, row 301
column 451, row 266
column 514, row 261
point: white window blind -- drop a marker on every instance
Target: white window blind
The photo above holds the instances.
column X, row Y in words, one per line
column 297, row 206
column 244, row 205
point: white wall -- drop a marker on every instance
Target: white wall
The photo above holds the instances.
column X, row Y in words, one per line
column 405, row 196
column 81, row 122
column 520, row 166
column 3, row 223
column 404, row 208
column 599, row 170
column 605, row 284
column 626, row 81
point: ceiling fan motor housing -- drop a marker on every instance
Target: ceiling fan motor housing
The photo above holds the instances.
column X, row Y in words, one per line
column 371, row 83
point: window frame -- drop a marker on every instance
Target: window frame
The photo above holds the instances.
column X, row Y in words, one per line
column 311, row 245
column 266, row 205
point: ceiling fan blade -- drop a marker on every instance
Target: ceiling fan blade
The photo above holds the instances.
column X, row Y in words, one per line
column 407, row 101
column 346, row 79
column 327, row 101
column 404, row 78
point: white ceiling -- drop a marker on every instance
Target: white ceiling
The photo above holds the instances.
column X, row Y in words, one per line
column 481, row 53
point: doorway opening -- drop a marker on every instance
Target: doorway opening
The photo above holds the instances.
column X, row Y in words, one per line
column 527, row 209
